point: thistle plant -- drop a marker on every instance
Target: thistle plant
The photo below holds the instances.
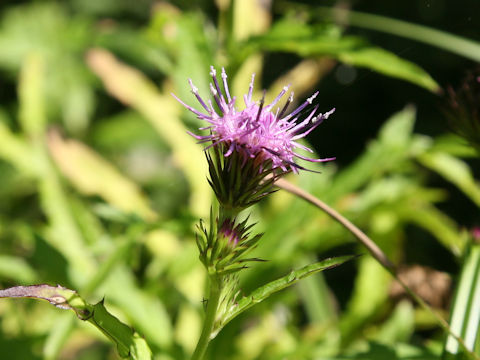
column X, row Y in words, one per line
column 247, row 152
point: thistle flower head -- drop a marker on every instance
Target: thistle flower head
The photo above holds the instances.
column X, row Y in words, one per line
column 261, row 132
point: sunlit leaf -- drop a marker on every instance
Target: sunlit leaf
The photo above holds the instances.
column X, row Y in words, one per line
column 93, row 175
column 465, row 314
column 387, row 63
column 454, row 170
column 146, row 312
column 132, row 88
column 47, row 30
column 31, row 88
column 265, row 291
column 370, row 292
column 16, row 268
column 456, row 44
column 308, row 40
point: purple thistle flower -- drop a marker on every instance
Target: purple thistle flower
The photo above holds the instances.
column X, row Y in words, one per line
column 257, row 132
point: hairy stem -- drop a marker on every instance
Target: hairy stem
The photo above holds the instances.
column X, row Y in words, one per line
column 375, row 251
column 211, row 313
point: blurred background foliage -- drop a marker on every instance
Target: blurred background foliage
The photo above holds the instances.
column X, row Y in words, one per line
column 100, row 185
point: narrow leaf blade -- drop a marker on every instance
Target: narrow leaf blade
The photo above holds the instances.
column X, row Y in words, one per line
column 293, row 277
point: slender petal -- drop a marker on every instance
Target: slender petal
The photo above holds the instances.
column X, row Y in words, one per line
column 256, row 132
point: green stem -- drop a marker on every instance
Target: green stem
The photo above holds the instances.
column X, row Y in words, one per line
column 212, row 306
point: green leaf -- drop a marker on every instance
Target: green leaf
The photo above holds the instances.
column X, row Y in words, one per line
column 398, row 130
column 369, row 294
column 145, row 311
column 400, row 326
column 307, row 40
column 387, row 63
column 91, row 174
column 129, row 343
column 379, row 351
column 317, row 298
column 454, row 170
column 163, row 112
column 15, row 268
column 395, row 144
column 466, row 307
column 265, row 291
column 53, row 199
column 443, row 40
column 438, row 224
column 47, row 30
column 32, row 113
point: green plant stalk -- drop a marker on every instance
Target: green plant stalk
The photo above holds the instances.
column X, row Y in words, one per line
column 466, row 306
column 211, row 314
column 377, row 253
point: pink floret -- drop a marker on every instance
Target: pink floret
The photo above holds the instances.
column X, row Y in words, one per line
column 256, row 130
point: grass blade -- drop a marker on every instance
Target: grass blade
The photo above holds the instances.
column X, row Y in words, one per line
column 465, row 315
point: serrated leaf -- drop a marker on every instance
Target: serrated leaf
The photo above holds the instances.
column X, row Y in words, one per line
column 293, row 277
column 129, row 343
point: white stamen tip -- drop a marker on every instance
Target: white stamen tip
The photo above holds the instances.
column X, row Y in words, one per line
column 224, row 73
column 193, row 87
column 213, row 72
column 310, row 99
column 327, row 114
column 290, row 98
column 212, row 89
